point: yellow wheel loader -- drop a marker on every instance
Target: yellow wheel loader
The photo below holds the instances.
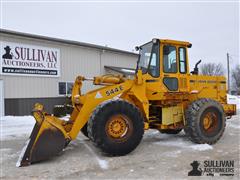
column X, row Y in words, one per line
column 162, row 95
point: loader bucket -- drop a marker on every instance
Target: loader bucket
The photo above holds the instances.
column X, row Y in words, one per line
column 46, row 140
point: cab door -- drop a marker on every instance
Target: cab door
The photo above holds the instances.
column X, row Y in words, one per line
column 174, row 68
column 184, row 75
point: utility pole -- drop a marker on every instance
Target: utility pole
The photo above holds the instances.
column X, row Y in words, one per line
column 228, row 73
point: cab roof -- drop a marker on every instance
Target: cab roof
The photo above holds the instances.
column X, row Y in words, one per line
column 176, row 42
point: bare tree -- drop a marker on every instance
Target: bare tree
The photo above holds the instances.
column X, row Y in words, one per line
column 236, row 79
column 212, row 69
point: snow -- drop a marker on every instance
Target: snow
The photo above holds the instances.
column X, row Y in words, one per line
column 65, row 118
column 178, row 141
column 5, row 150
column 235, row 126
column 6, row 154
column 233, row 123
column 201, row 147
column 102, row 163
column 181, row 142
column 172, row 153
column 231, row 99
column 15, row 126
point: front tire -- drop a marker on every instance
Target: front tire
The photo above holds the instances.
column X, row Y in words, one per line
column 84, row 130
column 116, row 127
column 205, row 121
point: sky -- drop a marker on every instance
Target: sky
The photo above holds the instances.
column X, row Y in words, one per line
column 212, row 27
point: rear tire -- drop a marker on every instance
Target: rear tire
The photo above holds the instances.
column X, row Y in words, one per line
column 205, row 121
column 170, row 131
column 116, row 127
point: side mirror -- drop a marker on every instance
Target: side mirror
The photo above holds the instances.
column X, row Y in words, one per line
column 137, row 48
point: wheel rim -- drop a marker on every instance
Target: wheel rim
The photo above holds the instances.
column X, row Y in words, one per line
column 211, row 122
column 118, row 127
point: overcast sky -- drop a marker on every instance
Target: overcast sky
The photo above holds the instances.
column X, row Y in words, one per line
column 212, row 27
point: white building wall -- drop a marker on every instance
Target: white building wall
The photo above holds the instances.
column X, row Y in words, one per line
column 118, row 60
column 1, row 99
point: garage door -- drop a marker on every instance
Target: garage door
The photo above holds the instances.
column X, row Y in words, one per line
column 1, row 99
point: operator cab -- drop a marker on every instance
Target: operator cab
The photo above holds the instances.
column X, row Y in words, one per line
column 167, row 60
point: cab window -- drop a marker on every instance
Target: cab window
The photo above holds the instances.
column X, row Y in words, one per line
column 153, row 69
column 182, row 60
column 169, row 59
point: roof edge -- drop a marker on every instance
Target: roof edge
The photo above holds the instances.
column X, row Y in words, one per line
column 59, row 40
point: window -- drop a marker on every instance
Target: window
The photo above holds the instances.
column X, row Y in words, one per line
column 149, row 59
column 169, row 59
column 182, row 60
column 171, row 83
column 145, row 53
column 65, row 88
column 62, row 88
column 154, row 64
column 69, row 87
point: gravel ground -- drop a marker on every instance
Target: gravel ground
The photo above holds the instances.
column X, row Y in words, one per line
column 159, row 156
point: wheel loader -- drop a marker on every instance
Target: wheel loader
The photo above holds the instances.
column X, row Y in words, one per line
column 162, row 95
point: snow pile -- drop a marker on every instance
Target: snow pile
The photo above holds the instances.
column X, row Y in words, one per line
column 179, row 141
column 201, row 147
column 233, row 100
column 65, row 118
column 102, row 163
column 172, row 153
column 234, row 122
column 15, row 126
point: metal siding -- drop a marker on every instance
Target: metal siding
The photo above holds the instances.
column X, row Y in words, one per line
column 118, row 60
column 1, row 98
column 79, row 61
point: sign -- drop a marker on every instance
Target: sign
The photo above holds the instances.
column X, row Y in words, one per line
column 23, row 59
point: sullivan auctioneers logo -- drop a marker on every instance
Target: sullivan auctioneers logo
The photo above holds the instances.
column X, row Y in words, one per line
column 22, row 59
column 212, row 168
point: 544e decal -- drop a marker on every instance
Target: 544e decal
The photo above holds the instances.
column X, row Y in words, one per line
column 114, row 90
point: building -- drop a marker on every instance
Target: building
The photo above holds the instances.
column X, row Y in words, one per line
column 42, row 69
